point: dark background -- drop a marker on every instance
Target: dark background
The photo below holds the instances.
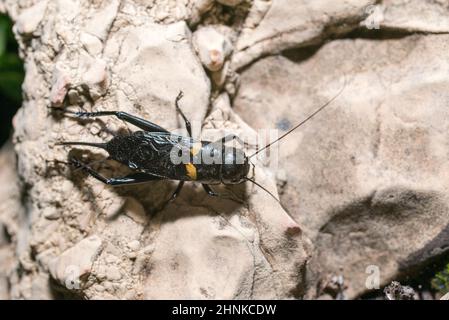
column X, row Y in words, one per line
column 11, row 78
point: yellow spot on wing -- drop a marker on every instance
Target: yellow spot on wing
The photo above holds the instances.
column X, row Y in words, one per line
column 196, row 148
column 191, row 171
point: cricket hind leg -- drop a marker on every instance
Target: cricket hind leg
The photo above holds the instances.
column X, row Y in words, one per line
column 131, row 179
column 138, row 122
column 134, row 178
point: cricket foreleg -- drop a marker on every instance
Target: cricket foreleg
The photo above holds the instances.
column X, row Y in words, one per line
column 186, row 121
column 209, row 190
column 173, row 196
column 212, row 193
column 177, row 191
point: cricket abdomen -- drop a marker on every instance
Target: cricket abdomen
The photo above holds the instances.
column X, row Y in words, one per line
column 176, row 157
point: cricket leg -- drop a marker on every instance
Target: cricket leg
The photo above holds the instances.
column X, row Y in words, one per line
column 173, row 196
column 176, row 192
column 186, row 121
column 209, row 190
column 212, row 193
column 138, row 122
column 134, row 178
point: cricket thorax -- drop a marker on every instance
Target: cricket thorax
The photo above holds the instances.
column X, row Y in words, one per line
column 215, row 163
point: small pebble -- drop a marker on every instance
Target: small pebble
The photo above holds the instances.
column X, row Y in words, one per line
column 51, row 213
column 212, row 47
column 134, row 245
column 114, row 274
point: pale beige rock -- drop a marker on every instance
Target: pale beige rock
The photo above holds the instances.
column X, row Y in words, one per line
column 60, row 86
column 78, row 258
column 366, row 180
column 97, row 242
column 91, row 43
column 212, row 47
column 163, row 49
column 282, row 24
column 370, row 171
column 415, row 15
column 273, row 26
column 30, row 18
column 100, row 22
column 10, row 213
column 168, row 11
column 95, row 77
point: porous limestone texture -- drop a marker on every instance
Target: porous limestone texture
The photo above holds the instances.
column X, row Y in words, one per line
column 363, row 186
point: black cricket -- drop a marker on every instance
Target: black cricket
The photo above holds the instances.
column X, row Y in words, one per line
column 148, row 153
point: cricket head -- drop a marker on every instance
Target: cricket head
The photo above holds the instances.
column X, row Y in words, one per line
column 235, row 167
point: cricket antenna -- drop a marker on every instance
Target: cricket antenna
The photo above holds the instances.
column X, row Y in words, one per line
column 302, row 122
column 263, row 188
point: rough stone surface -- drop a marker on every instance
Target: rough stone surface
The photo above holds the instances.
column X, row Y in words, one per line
column 78, row 259
column 85, row 239
column 366, row 180
column 370, row 171
column 212, row 47
column 10, row 213
column 273, row 26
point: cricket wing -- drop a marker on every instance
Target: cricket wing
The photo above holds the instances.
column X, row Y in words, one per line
column 159, row 154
